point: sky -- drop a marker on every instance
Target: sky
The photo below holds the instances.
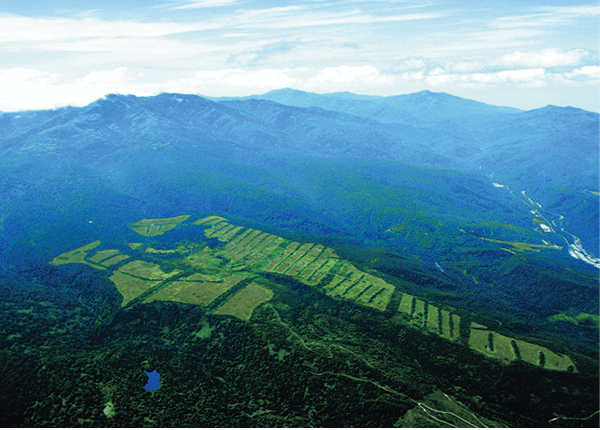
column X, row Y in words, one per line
column 521, row 53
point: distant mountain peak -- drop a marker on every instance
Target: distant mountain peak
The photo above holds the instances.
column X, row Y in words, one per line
column 554, row 108
column 552, row 111
column 426, row 92
column 115, row 96
column 286, row 90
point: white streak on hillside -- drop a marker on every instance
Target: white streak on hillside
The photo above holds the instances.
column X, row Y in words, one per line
column 577, row 251
column 531, row 201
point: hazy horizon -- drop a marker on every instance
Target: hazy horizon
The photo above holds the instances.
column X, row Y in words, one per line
column 274, row 90
column 524, row 54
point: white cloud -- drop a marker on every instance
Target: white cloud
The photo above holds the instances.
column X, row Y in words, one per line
column 583, row 10
column 478, row 44
column 90, row 41
column 528, row 21
column 546, row 16
column 410, row 64
column 439, row 76
column 206, row 3
column 24, row 76
column 528, row 76
column 268, row 50
column 518, row 60
column 272, row 10
column 103, row 77
column 296, row 17
column 592, row 72
column 347, row 74
column 545, row 58
column 417, row 76
column 468, row 66
column 15, row 28
column 231, row 82
column 26, row 89
column 237, row 35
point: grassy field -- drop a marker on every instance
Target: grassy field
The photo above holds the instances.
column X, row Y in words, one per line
column 230, row 278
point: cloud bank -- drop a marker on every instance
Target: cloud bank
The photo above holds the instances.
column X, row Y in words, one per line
column 233, row 47
column 25, row 89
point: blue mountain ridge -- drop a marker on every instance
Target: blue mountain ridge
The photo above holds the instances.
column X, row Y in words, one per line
column 422, row 108
column 527, row 150
column 250, row 158
column 483, row 212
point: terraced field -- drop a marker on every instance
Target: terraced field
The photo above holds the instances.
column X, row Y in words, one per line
column 228, row 280
column 154, row 227
column 444, row 323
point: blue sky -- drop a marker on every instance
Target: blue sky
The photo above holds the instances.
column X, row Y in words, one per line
column 525, row 53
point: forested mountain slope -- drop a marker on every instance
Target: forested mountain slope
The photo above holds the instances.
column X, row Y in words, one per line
column 483, row 212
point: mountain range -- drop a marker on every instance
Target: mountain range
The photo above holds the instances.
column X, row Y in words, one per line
column 481, row 210
column 424, row 183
